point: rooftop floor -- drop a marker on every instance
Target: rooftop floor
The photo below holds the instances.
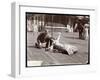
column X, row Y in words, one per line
column 50, row 58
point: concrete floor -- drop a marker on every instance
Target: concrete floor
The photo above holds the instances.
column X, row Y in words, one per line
column 50, row 58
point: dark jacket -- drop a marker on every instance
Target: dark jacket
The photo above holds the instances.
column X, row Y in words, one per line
column 42, row 37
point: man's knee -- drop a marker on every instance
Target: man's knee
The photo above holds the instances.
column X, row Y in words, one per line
column 38, row 45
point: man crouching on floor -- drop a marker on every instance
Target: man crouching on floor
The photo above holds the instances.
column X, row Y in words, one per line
column 44, row 38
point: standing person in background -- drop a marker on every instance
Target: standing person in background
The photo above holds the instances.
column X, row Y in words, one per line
column 85, row 33
column 29, row 24
column 80, row 28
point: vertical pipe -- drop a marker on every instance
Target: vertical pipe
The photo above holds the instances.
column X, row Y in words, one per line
column 52, row 26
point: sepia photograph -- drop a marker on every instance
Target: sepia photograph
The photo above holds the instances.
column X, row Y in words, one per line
column 57, row 39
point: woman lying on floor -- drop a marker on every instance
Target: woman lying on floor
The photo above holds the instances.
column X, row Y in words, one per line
column 63, row 48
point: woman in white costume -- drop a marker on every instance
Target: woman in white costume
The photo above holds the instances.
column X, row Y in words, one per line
column 63, row 48
column 85, row 33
